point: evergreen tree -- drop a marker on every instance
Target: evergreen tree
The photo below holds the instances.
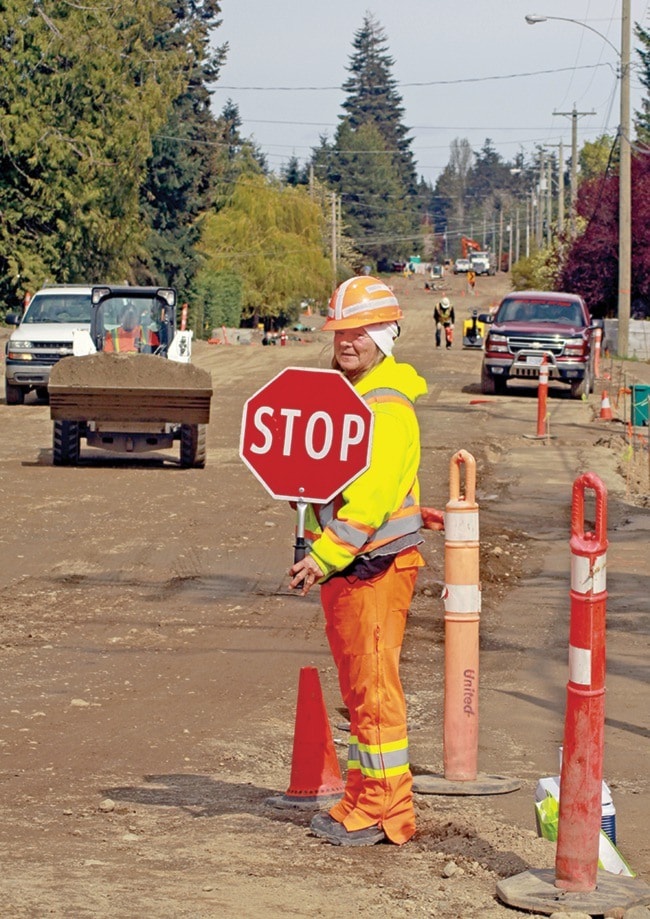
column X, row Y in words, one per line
column 369, row 162
column 181, row 173
column 372, row 96
column 372, row 196
column 292, row 174
column 642, row 121
column 82, row 90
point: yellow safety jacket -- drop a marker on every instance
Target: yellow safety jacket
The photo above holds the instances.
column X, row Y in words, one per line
column 380, row 510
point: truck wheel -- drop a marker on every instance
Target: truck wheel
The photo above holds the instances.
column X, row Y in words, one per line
column 193, row 446
column 488, row 386
column 580, row 388
column 42, row 394
column 14, row 395
column 65, row 443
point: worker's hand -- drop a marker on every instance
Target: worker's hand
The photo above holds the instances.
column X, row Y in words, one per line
column 306, row 572
column 432, row 518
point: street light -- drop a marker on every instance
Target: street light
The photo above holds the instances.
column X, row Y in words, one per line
column 625, row 174
column 532, row 19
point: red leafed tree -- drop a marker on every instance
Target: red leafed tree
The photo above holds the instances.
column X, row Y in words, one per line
column 590, row 267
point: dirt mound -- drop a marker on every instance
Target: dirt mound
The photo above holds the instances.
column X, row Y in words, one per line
column 131, row 371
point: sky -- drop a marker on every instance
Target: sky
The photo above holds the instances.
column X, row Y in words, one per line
column 471, row 70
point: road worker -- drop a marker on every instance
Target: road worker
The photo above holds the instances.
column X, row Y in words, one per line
column 363, row 551
column 444, row 318
column 128, row 336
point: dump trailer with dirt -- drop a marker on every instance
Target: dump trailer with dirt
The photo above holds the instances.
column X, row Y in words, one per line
column 131, row 396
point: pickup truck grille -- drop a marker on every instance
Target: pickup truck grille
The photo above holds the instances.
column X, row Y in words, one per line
column 550, row 343
column 48, row 353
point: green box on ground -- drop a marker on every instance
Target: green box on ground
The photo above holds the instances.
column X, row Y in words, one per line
column 640, row 396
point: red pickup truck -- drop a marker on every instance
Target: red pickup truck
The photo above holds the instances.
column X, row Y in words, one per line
column 530, row 324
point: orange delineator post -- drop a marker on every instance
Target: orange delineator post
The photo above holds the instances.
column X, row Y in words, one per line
column 462, row 602
column 542, row 396
column 576, row 861
column 598, row 337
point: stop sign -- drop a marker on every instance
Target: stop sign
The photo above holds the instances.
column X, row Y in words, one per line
column 306, row 434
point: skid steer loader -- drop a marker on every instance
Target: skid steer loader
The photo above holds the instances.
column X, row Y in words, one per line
column 129, row 386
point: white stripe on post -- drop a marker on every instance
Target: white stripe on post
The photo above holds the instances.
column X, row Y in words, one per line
column 461, row 527
column 586, row 578
column 580, row 665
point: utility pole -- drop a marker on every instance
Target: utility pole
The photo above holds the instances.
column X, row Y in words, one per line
column 540, row 201
column 517, row 236
column 560, row 186
column 500, row 240
column 334, row 240
column 574, row 115
column 624, row 191
column 549, row 200
column 509, row 229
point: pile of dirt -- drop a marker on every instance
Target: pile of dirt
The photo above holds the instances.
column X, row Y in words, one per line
column 128, row 371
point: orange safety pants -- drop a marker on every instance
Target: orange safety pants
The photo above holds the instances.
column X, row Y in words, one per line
column 365, row 623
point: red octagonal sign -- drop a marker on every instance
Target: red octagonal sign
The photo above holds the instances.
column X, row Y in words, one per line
column 306, row 434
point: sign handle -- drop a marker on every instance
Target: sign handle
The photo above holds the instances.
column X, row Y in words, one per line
column 300, row 546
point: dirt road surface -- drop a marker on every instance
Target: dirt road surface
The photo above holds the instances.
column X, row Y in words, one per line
column 151, row 653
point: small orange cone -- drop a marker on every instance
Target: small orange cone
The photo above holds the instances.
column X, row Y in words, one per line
column 315, row 773
column 606, row 413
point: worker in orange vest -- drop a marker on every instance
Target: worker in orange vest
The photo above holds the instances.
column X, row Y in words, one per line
column 128, row 336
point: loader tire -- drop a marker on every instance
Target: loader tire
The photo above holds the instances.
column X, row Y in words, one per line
column 193, row 446
column 65, row 443
column 14, row 395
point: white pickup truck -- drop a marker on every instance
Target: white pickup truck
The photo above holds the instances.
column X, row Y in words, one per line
column 44, row 335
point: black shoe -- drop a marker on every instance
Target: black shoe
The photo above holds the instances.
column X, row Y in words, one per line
column 328, row 828
column 322, row 824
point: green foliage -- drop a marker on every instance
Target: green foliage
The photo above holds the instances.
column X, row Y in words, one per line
column 272, row 237
column 372, row 96
column 642, row 121
column 181, row 172
column 369, row 163
column 597, row 156
column 216, row 301
column 82, row 90
column 376, row 215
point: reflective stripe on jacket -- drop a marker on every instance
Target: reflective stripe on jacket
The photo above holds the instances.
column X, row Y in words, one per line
column 382, row 505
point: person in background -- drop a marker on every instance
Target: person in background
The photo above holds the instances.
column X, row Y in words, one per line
column 363, row 551
column 444, row 318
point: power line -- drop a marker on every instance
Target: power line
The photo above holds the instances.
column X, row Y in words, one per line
column 507, row 76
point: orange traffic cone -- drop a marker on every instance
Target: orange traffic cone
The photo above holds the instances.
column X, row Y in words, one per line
column 315, row 773
column 606, row 413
